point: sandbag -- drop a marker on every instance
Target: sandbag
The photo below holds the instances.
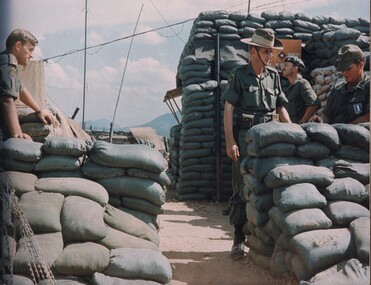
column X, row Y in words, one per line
column 141, row 205
column 127, row 155
column 58, row 163
column 81, row 259
column 66, row 280
column 162, row 178
column 21, row 280
column 22, row 182
column 276, row 132
column 298, row 196
column 361, row 231
column 138, row 263
column 358, row 171
column 42, row 211
column 300, row 270
column 275, row 149
column 259, row 246
column 343, row 212
column 74, row 186
column 82, row 219
column 292, row 174
column 254, row 216
column 66, row 146
column 254, row 185
column 101, row 279
column 22, row 150
column 347, row 189
column 130, row 224
column 323, row 248
column 354, row 135
column 95, row 171
column 139, row 188
column 51, row 245
column 313, row 151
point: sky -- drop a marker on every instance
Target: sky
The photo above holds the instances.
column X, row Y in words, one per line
column 151, row 58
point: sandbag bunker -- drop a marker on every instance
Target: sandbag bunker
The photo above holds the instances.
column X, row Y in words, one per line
column 93, row 209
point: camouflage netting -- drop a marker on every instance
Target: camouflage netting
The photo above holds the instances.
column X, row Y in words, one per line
column 93, row 209
column 193, row 160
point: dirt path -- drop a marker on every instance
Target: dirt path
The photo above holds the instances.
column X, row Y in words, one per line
column 196, row 238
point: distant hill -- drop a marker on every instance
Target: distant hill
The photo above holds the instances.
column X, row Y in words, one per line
column 161, row 124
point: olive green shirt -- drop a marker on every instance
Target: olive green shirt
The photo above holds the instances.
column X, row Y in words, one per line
column 300, row 96
column 251, row 94
column 344, row 106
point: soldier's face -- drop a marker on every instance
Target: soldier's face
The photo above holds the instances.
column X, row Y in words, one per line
column 24, row 52
column 266, row 54
column 353, row 74
column 287, row 69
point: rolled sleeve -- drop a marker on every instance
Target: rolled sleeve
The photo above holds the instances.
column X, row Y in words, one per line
column 9, row 82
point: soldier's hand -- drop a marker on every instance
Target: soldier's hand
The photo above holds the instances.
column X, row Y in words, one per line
column 22, row 136
column 315, row 119
column 233, row 152
column 47, row 117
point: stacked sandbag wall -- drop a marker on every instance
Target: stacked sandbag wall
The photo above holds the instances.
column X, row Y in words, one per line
column 198, row 78
column 92, row 207
column 307, row 200
column 174, row 143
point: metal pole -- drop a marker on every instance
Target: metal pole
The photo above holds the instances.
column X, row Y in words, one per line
column 218, row 167
column 84, row 85
column 248, row 9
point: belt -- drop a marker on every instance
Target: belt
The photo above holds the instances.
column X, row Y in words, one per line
column 247, row 120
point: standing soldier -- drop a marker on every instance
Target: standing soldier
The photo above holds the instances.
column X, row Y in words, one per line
column 253, row 94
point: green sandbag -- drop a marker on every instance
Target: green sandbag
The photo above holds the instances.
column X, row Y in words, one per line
column 162, row 178
column 142, row 206
column 139, row 263
column 42, row 211
column 298, row 196
column 293, row 174
column 358, row 171
column 22, row 182
column 66, row 146
column 101, row 279
column 82, row 219
column 361, row 231
column 119, row 239
column 51, row 245
column 74, row 186
column 343, row 212
column 323, row 248
column 127, row 155
column 140, row 188
column 95, row 171
column 58, row 163
column 347, row 189
column 130, row 224
column 66, row 280
column 275, row 149
column 82, row 259
column 22, row 150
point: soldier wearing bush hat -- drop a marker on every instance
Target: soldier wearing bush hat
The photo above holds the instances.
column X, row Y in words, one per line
column 252, row 95
column 303, row 102
column 349, row 101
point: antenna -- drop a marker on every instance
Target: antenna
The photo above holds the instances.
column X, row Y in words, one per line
column 84, row 85
column 122, row 78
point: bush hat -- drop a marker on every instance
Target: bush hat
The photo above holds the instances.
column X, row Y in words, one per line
column 295, row 61
column 346, row 56
column 263, row 38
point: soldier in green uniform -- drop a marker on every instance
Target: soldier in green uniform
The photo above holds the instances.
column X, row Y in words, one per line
column 303, row 102
column 349, row 101
column 20, row 45
column 253, row 94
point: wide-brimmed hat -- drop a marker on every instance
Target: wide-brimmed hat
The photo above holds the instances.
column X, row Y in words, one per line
column 295, row 61
column 264, row 38
column 346, row 56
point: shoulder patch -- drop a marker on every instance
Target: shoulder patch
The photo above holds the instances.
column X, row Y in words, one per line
column 12, row 71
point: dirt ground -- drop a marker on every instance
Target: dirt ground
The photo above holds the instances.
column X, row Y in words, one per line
column 197, row 238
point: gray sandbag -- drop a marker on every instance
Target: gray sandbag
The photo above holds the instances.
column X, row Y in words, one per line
column 66, row 146
column 347, row 189
column 348, row 272
column 140, row 188
column 162, row 178
column 330, row 161
column 66, row 174
column 125, row 155
column 361, row 232
column 42, row 211
column 277, row 263
column 58, row 163
column 16, row 165
column 22, row 150
column 82, row 219
column 136, row 263
column 142, row 205
column 354, row 135
column 276, row 132
column 51, row 245
column 66, row 280
column 263, row 165
column 347, row 152
column 118, row 239
column 95, row 171
column 275, row 149
column 358, row 171
column 254, row 185
column 272, row 229
column 262, row 202
column 293, row 174
column 298, row 196
column 74, row 186
column 259, row 246
column 82, row 259
column 101, row 279
column 22, row 280
column 262, row 235
column 151, row 220
column 300, row 270
column 129, row 224
column 256, row 217
column 323, row 248
column 343, row 212
column 313, row 151
column 22, row 182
